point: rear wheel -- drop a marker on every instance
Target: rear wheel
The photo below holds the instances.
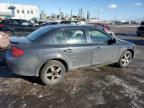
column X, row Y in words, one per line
column 125, row 59
column 52, row 73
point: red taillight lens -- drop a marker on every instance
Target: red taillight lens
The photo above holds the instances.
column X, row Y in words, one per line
column 2, row 25
column 16, row 52
column 107, row 27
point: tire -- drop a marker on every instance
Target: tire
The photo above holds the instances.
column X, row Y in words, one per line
column 10, row 33
column 52, row 73
column 125, row 59
column 138, row 34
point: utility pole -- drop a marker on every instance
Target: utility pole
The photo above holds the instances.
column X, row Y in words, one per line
column 60, row 13
column 71, row 13
column 81, row 13
column 99, row 13
column 88, row 15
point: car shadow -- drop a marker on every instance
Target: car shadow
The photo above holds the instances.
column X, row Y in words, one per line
column 6, row 73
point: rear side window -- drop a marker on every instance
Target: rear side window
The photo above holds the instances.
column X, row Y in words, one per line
column 70, row 37
column 59, row 37
column 75, row 37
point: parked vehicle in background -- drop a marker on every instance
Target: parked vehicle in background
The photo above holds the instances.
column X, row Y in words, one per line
column 104, row 27
column 140, row 30
column 51, row 51
column 49, row 23
column 68, row 22
column 17, row 26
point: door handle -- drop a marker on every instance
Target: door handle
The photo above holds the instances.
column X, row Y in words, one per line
column 97, row 48
column 68, row 50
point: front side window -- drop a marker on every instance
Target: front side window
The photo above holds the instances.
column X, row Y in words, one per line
column 98, row 37
column 75, row 37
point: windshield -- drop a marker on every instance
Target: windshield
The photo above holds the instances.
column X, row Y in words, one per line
column 36, row 34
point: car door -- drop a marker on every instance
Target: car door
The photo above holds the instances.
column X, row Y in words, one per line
column 72, row 43
column 103, row 53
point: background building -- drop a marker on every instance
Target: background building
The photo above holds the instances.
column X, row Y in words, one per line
column 19, row 11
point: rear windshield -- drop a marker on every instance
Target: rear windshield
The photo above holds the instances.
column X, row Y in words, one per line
column 36, row 34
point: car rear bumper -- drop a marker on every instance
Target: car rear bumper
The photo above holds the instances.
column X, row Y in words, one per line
column 2, row 58
column 20, row 66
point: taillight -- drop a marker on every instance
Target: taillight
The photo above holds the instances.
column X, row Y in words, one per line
column 16, row 52
column 2, row 25
column 107, row 27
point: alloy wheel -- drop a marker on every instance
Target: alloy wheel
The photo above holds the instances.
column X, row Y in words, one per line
column 53, row 73
column 126, row 59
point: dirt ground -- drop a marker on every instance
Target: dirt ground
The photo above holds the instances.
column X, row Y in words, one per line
column 104, row 87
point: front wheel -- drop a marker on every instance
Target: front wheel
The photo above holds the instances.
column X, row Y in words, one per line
column 52, row 73
column 138, row 34
column 125, row 59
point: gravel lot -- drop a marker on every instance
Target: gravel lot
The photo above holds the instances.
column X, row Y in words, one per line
column 92, row 87
column 104, row 87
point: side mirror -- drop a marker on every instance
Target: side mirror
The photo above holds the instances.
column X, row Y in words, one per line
column 112, row 41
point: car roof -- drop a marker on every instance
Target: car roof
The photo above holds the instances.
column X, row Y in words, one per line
column 58, row 26
column 15, row 19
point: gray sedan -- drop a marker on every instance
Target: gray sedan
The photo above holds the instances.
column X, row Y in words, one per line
column 51, row 51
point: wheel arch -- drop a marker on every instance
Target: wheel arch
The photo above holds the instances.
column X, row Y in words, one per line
column 131, row 52
column 10, row 31
column 56, row 59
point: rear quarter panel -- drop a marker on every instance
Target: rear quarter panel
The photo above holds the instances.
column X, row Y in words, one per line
column 42, row 54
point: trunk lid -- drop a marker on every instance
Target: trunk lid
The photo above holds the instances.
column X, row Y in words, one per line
column 20, row 40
